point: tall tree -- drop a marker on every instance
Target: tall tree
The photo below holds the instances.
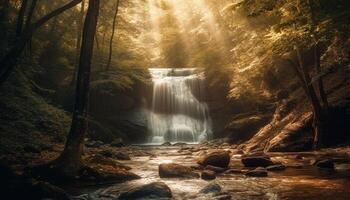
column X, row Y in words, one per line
column 30, row 14
column 9, row 61
column 112, row 36
column 78, row 44
column 69, row 161
column 21, row 16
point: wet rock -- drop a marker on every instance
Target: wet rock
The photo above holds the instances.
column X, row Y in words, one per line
column 102, row 174
column 154, row 190
column 117, row 143
column 257, row 161
column 258, row 172
column 166, row 144
column 107, row 153
column 325, row 164
column 122, row 156
column 172, row 170
column 211, row 188
column 208, row 175
column 276, row 168
column 217, row 159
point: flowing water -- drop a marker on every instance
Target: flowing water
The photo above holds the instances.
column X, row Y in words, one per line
column 178, row 113
column 300, row 181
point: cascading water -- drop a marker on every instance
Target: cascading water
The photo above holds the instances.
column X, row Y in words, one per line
column 177, row 113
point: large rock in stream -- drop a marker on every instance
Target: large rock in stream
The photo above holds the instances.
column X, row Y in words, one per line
column 216, row 159
column 172, row 170
column 256, row 161
column 156, row 190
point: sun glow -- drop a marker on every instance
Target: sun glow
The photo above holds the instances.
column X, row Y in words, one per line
column 189, row 20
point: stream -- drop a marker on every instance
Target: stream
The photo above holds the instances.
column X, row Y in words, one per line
column 300, row 180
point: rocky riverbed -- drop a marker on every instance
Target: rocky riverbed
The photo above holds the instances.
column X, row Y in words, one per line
column 305, row 175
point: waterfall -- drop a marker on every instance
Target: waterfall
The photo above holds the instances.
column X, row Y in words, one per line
column 178, row 113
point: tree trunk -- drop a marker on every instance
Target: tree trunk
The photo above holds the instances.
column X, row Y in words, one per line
column 29, row 21
column 97, row 42
column 78, row 45
column 321, row 89
column 316, row 106
column 20, row 18
column 112, row 36
column 30, row 14
column 4, row 22
column 70, row 159
column 317, row 56
column 9, row 61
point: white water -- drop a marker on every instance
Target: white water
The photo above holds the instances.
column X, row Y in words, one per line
column 177, row 113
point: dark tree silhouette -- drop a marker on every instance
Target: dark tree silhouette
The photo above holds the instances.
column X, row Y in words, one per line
column 112, row 36
column 8, row 63
column 20, row 18
column 69, row 162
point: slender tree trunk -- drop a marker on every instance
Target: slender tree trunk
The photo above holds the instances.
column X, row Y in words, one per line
column 4, row 22
column 316, row 106
column 30, row 13
column 97, row 42
column 70, row 159
column 8, row 63
column 29, row 21
column 20, row 18
column 321, row 89
column 317, row 57
column 112, row 36
column 78, row 45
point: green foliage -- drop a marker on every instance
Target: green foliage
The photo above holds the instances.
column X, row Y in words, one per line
column 27, row 117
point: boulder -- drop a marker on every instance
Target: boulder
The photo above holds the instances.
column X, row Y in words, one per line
column 211, row 188
column 257, row 161
column 208, row 175
column 117, row 143
column 166, row 144
column 258, row 172
column 279, row 167
column 216, row 159
column 154, row 190
column 172, row 170
column 107, row 153
column 122, row 156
